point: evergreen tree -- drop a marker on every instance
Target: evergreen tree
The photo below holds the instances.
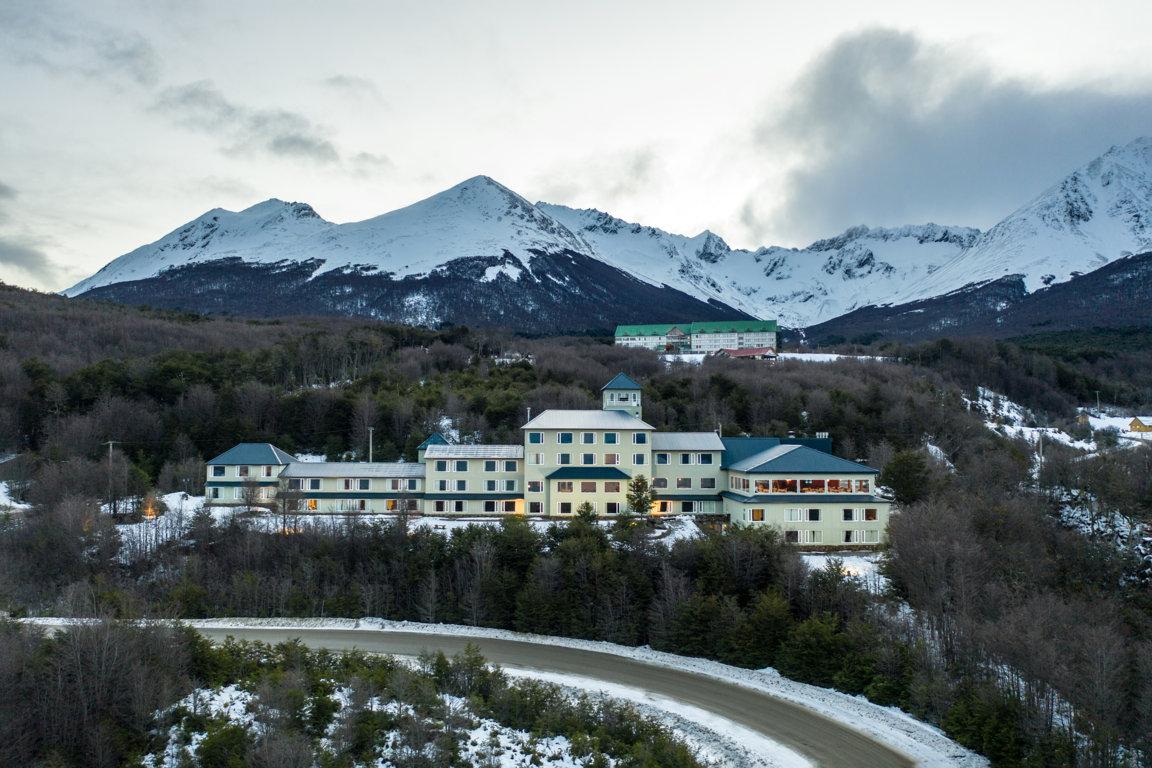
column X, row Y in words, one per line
column 907, row 474
column 640, row 496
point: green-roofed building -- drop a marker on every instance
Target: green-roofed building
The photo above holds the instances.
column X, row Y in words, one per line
column 710, row 336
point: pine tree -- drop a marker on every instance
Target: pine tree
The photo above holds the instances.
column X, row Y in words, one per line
column 640, row 496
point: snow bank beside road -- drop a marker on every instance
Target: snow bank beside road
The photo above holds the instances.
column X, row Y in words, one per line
column 923, row 743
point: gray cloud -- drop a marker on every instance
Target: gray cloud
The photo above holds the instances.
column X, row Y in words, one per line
column 893, row 130
column 22, row 252
column 56, row 39
column 200, row 106
column 366, row 164
column 608, row 180
column 355, row 87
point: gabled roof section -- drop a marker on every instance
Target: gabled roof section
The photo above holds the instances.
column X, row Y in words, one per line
column 474, row 452
column 733, row 326
column 686, row 441
column 651, row 329
column 354, row 469
column 598, row 419
column 435, row 438
column 587, row 473
column 737, row 449
column 798, row 459
column 254, row 453
column 621, row 381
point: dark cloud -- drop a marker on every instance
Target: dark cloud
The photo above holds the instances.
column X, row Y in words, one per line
column 355, row 86
column 200, row 106
column 365, row 164
column 44, row 35
column 21, row 252
column 893, row 130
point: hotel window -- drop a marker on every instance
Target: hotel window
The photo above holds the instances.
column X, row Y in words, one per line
column 862, row 486
column 638, row 459
column 612, row 486
column 347, row 484
column 293, row 485
column 839, row 486
column 783, row 486
column 393, row 485
column 588, row 438
column 267, row 471
column 687, row 506
column 217, row 471
column 870, row 515
column 461, row 466
column 588, row 486
column 412, row 484
column 683, row 482
column 489, row 506
column 663, row 507
column 762, row 486
column 811, row 486
column 659, row 482
column 611, row 459
column 390, row 505
column 535, row 438
column 509, row 466
column 685, row 458
column 459, row 506
column 871, row 537
column 705, row 458
column 563, row 458
column 312, row 505
column 510, row 485
column 707, row 482
column 215, row 493
column 441, row 485
column 661, row 458
column 461, row 485
column 489, row 466
column 564, row 486
column 364, row 484
column 758, row 515
column 509, row 506
column 535, row 507
column 640, row 438
column 564, row 438
column 852, row 537
column 536, row 459
column 441, row 506
column 535, row 486
column 611, row 438
column 612, row 508
column 564, row 507
column 314, row 484
column 441, row 466
column 587, row 458
column 242, row 471
column 490, row 485
column 850, row 515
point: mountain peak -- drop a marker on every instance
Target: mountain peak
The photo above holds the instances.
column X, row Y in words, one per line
column 274, row 206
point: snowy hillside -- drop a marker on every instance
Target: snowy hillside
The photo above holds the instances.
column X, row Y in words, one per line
column 1097, row 214
column 395, row 266
column 478, row 217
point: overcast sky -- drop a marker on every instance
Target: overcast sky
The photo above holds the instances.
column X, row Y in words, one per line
column 767, row 122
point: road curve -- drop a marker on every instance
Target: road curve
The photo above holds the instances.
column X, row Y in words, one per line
column 817, row 738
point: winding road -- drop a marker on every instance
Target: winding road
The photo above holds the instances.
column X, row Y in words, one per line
column 823, row 741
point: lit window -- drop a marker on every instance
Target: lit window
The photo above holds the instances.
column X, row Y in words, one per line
column 564, row 486
column 811, row 486
column 758, row 515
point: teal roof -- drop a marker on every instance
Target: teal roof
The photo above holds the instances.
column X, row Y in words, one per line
column 588, row 473
column 433, row 439
column 621, row 381
column 254, row 453
column 736, row 449
column 798, row 459
column 692, row 329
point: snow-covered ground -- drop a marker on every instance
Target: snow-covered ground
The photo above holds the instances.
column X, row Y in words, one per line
column 1005, row 417
column 1082, row 512
column 9, row 504
column 923, row 743
column 827, row 357
column 1121, row 425
column 862, row 565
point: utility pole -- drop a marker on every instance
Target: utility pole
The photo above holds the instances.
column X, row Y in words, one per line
column 111, row 501
column 370, row 431
column 1098, row 403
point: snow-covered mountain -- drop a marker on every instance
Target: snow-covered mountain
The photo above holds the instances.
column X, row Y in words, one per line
column 1100, row 212
column 414, row 264
column 797, row 286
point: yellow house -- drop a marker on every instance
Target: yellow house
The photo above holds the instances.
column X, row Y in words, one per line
column 1140, row 424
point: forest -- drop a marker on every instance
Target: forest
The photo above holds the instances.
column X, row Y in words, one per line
column 1024, row 639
